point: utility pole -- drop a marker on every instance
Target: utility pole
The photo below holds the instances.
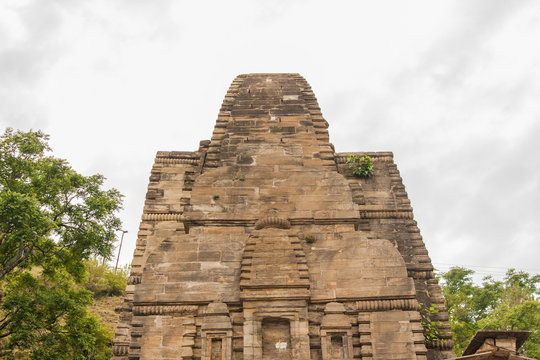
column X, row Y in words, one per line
column 119, row 249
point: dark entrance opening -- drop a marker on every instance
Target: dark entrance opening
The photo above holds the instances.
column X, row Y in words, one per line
column 336, row 347
column 276, row 339
column 216, row 349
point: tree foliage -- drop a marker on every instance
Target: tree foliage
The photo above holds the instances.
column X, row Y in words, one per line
column 510, row 304
column 102, row 280
column 51, row 220
column 48, row 320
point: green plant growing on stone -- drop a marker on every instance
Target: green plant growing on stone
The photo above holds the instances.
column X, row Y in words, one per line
column 431, row 327
column 215, row 197
column 310, row 239
column 239, row 178
column 361, row 165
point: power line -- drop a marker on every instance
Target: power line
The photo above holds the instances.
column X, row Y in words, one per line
column 502, row 269
column 476, row 271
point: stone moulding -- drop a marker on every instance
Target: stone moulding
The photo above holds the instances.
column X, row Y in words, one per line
column 387, row 156
column 271, row 286
column 218, row 222
column 172, row 161
column 120, row 349
column 387, row 304
column 252, row 222
column 386, row 214
column 420, row 274
column 177, row 154
column 145, row 310
column 331, row 221
column 162, row 217
column 272, row 222
column 440, row 344
column 134, row 280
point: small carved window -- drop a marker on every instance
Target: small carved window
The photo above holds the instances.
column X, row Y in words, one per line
column 216, row 349
column 336, row 346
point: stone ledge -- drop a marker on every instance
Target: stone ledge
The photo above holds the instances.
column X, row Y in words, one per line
column 272, row 222
column 444, row 344
column 173, row 161
column 120, row 349
column 162, row 217
column 387, row 304
column 383, row 156
column 420, row 274
column 134, row 280
column 386, row 214
column 146, row 310
column 252, row 222
column 177, row 154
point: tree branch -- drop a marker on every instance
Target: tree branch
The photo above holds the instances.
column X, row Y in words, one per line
column 5, row 334
column 22, row 254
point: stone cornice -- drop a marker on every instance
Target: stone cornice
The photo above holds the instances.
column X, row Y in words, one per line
column 172, row 161
column 387, row 304
column 145, row 310
column 272, row 222
column 279, row 222
column 386, row 214
column 162, row 217
column 383, row 156
column 363, row 214
column 443, row 344
column 119, row 349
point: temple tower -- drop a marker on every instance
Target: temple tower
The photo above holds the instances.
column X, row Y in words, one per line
column 263, row 245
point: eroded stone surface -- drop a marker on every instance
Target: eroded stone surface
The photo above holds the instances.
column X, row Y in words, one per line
column 262, row 245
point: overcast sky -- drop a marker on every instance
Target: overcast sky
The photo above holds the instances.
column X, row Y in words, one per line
column 451, row 87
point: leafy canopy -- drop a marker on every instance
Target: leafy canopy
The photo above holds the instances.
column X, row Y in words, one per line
column 51, row 219
column 510, row 304
column 103, row 280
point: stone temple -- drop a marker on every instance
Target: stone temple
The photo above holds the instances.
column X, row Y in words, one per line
column 262, row 244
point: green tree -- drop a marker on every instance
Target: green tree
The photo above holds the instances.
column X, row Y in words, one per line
column 51, row 220
column 510, row 304
column 102, row 280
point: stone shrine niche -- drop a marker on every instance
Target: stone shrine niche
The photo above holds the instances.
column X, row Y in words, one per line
column 276, row 339
column 336, row 350
column 336, row 333
column 276, row 330
column 216, row 333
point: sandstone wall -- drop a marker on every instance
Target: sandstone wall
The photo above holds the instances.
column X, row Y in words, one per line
column 262, row 245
